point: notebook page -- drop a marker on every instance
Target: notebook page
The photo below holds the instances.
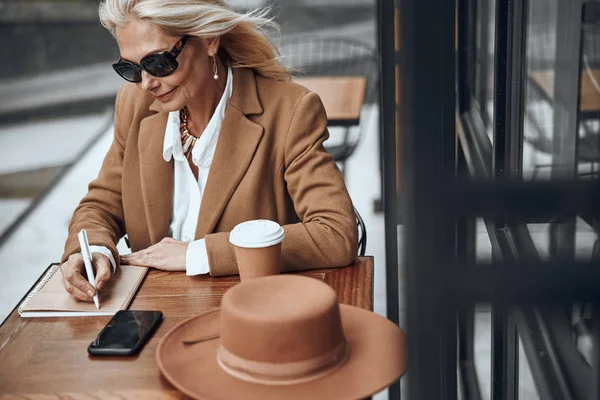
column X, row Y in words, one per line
column 115, row 296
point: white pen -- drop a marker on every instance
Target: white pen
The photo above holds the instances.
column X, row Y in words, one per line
column 87, row 261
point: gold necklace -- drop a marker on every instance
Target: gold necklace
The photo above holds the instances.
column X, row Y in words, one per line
column 187, row 139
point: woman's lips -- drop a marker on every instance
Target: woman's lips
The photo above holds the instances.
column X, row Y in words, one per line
column 166, row 97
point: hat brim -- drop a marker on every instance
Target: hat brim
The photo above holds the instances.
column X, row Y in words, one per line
column 376, row 361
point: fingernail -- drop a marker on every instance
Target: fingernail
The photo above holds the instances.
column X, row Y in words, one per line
column 99, row 285
column 90, row 293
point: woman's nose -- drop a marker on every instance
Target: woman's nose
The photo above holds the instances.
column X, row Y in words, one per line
column 149, row 82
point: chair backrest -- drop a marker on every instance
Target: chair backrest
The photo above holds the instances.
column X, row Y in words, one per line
column 331, row 56
column 362, row 233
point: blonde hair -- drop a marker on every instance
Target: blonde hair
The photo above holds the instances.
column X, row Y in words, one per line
column 244, row 38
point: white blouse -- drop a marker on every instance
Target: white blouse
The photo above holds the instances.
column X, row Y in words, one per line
column 187, row 191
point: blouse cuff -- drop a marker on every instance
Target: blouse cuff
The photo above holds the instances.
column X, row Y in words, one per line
column 104, row 250
column 196, row 258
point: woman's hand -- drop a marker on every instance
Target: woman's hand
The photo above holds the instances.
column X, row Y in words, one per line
column 167, row 255
column 76, row 284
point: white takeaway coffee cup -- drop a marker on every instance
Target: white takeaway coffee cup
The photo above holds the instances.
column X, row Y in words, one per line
column 257, row 246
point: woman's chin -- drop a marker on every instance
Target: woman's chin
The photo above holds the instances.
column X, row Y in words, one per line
column 170, row 107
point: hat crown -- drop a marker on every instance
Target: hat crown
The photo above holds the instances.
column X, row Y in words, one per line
column 282, row 320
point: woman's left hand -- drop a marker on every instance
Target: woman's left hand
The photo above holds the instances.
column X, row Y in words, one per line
column 167, row 255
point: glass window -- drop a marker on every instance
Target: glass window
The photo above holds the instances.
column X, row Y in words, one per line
column 483, row 348
column 561, row 133
column 562, row 103
column 588, row 146
column 548, row 236
column 527, row 389
column 484, row 60
column 538, row 127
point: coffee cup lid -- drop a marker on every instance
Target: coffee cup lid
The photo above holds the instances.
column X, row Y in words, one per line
column 256, row 233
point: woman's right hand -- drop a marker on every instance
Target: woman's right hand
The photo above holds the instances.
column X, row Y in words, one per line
column 76, row 284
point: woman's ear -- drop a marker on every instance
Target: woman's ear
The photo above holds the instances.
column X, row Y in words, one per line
column 213, row 46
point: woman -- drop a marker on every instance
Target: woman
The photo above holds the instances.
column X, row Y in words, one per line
column 209, row 133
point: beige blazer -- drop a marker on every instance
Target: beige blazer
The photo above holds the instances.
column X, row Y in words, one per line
column 269, row 163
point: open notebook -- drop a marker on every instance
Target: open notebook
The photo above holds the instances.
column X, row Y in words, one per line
column 50, row 299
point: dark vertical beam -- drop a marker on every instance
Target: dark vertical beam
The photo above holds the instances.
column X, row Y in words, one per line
column 596, row 352
column 518, row 85
column 448, row 224
column 512, row 372
column 466, row 232
column 566, row 88
column 505, row 345
column 388, row 124
column 516, row 64
column 508, row 120
column 502, row 350
column 387, row 104
column 427, row 107
column 473, row 54
column 463, row 68
column 483, row 54
column 466, row 354
column 566, row 113
column 504, row 355
column 501, row 89
column 450, row 356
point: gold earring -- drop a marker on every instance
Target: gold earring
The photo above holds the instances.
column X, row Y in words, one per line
column 216, row 72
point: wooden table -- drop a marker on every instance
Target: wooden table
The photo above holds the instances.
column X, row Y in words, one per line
column 589, row 94
column 342, row 96
column 46, row 358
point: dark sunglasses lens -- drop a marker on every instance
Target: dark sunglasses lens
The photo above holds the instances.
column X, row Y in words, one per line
column 159, row 64
column 128, row 72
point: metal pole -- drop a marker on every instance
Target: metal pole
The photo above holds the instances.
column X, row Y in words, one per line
column 388, row 140
column 388, row 119
column 465, row 252
column 427, row 107
column 596, row 352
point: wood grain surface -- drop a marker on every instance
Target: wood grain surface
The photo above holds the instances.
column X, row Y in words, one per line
column 589, row 91
column 46, row 358
column 342, row 96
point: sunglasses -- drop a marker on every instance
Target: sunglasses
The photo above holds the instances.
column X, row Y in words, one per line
column 159, row 64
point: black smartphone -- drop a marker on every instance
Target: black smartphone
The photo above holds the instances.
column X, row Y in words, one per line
column 126, row 333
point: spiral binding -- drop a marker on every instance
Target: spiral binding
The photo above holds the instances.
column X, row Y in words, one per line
column 39, row 287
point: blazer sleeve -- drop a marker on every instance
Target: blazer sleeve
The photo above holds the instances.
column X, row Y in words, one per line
column 100, row 212
column 327, row 235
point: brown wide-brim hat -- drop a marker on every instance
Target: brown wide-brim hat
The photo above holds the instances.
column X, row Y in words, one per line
column 375, row 360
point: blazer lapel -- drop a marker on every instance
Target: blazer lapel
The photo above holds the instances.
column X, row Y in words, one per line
column 237, row 143
column 156, row 175
column 236, row 146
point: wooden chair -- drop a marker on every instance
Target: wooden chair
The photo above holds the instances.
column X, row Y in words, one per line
column 588, row 130
column 315, row 56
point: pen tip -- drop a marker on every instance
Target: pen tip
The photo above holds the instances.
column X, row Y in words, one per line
column 96, row 302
